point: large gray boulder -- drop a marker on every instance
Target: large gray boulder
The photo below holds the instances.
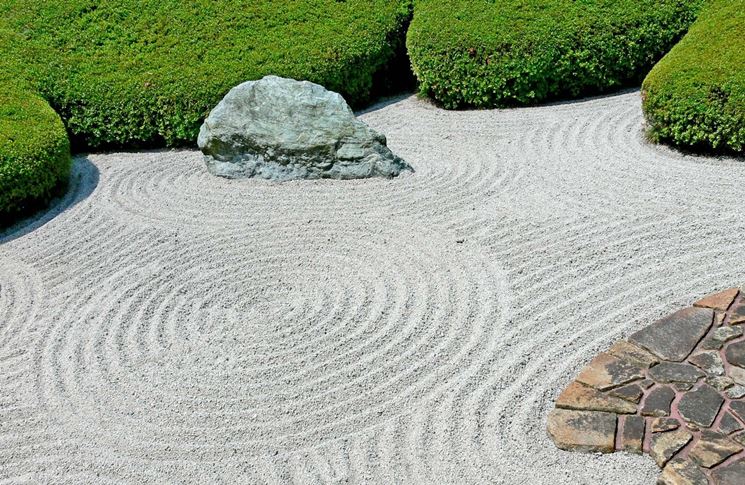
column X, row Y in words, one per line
column 282, row 129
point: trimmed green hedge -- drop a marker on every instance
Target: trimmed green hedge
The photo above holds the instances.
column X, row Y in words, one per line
column 486, row 53
column 695, row 96
column 146, row 72
column 34, row 149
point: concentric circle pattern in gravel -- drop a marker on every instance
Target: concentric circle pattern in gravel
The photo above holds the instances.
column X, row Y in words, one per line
column 162, row 325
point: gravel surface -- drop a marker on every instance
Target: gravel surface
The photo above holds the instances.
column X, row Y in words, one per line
column 163, row 325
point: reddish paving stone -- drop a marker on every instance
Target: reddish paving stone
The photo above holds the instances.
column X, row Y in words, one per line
column 591, row 431
column 682, row 472
column 665, row 445
column 701, row 405
column 632, row 436
column 719, row 301
column 673, row 338
column 581, row 397
column 658, row 402
column 607, row 371
column 713, row 448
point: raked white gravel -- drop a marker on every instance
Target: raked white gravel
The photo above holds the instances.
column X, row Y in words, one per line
column 162, row 325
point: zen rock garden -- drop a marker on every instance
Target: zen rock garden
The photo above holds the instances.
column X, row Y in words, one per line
column 674, row 390
column 282, row 129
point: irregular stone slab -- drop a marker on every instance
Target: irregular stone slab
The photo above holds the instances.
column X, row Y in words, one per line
column 631, row 393
column 658, row 402
column 719, row 301
column 738, row 314
column 736, row 392
column 665, row 445
column 720, row 383
column 606, row 372
column 591, row 431
column 713, row 448
column 735, row 353
column 717, row 338
column 731, row 474
column 667, row 372
column 682, row 472
column 581, row 397
column 683, row 386
column 646, row 383
column 632, row 436
column 737, row 374
column 729, row 424
column 738, row 409
column 674, row 337
column 700, row 406
column 710, row 362
column 624, row 349
column 664, row 424
column 282, row 129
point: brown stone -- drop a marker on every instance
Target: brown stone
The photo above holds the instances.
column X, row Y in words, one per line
column 657, row 402
column 632, row 436
column 674, row 337
column 735, row 353
column 665, row 445
column 682, row 472
column 718, row 337
column 701, row 405
column 659, row 425
column 606, row 372
column 712, row 448
column 732, row 474
column 709, row 361
column 591, row 431
column 719, row 301
column 624, row 349
column 581, row 397
column 667, row 372
column 729, row 424
column 631, row 393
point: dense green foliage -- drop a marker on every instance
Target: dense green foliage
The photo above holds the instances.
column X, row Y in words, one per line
column 34, row 150
column 146, row 72
column 484, row 53
column 695, row 96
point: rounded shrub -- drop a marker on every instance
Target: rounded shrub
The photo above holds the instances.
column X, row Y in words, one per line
column 34, row 149
column 486, row 53
column 146, row 72
column 695, row 96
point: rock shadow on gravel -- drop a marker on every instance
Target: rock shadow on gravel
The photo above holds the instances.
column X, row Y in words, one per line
column 84, row 178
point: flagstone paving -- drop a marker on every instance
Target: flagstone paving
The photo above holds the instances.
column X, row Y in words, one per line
column 674, row 390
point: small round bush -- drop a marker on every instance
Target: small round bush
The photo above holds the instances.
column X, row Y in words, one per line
column 695, row 96
column 482, row 53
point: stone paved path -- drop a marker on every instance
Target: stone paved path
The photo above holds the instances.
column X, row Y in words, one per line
column 674, row 390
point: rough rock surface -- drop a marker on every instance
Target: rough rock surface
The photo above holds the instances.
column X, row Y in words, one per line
column 282, row 129
column 675, row 390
